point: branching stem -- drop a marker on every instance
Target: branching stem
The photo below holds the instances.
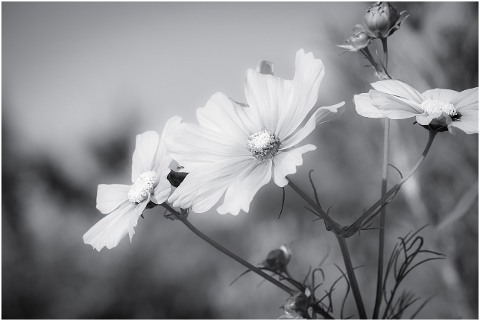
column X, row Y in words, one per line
column 249, row 266
column 352, row 229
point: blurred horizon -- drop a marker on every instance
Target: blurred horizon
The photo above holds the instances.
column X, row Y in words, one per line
column 80, row 80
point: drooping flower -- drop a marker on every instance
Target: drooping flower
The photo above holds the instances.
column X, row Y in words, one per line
column 236, row 150
column 381, row 20
column 436, row 109
column 125, row 203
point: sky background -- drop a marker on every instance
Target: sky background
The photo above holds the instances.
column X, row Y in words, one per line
column 80, row 80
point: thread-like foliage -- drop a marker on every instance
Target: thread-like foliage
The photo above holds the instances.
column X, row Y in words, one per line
column 407, row 254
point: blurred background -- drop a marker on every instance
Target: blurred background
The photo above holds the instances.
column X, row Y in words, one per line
column 80, row 80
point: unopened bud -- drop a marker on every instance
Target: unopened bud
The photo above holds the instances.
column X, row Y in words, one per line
column 380, row 18
column 297, row 305
column 357, row 41
column 278, row 258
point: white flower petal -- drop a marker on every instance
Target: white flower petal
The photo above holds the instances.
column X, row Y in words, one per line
column 223, row 115
column 162, row 191
column 193, row 146
column 468, row 123
column 321, row 115
column 162, row 187
column 398, row 88
column 203, row 187
column 303, row 93
column 110, row 230
column 394, row 107
column 163, row 158
column 110, row 197
column 169, row 125
column 266, row 95
column 445, row 95
column 466, row 100
column 285, row 163
column 240, row 193
column 144, row 156
column 364, row 107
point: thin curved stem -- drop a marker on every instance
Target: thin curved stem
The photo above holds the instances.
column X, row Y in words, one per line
column 343, row 247
column 355, row 226
column 381, row 236
column 249, row 266
column 330, row 222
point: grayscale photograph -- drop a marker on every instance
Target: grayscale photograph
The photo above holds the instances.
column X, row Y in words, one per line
column 240, row 160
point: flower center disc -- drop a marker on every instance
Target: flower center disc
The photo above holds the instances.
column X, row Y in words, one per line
column 263, row 144
column 431, row 106
column 142, row 187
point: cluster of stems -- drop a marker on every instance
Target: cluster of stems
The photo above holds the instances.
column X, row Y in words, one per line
column 341, row 232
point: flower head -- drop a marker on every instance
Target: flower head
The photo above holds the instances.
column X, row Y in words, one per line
column 381, row 20
column 125, row 203
column 436, row 109
column 235, row 150
column 357, row 41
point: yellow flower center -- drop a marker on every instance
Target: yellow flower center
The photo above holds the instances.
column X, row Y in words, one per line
column 431, row 106
column 142, row 187
column 263, row 144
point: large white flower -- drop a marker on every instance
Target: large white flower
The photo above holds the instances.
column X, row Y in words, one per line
column 435, row 109
column 235, row 150
column 125, row 203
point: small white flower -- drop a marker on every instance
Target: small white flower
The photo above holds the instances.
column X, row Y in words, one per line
column 235, row 150
column 435, row 109
column 125, row 203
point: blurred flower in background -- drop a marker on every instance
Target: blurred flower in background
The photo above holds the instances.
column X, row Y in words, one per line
column 78, row 83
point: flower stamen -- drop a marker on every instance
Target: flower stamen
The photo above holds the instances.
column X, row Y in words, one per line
column 263, row 144
column 431, row 106
column 142, row 187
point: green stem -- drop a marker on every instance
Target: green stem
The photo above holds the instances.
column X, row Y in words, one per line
column 381, row 236
column 351, row 276
column 385, row 53
column 330, row 222
column 249, row 266
column 352, row 229
column 343, row 246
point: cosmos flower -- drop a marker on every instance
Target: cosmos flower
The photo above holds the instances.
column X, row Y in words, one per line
column 436, row 109
column 125, row 203
column 236, row 150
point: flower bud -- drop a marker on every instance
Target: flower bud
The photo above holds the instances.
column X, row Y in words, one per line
column 278, row 258
column 297, row 305
column 380, row 18
column 357, row 41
